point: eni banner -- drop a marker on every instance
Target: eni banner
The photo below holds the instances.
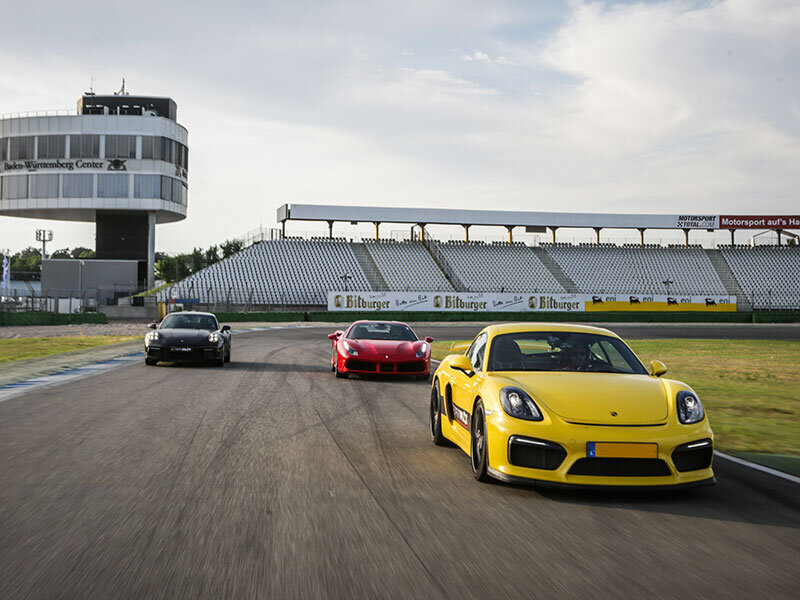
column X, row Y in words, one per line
column 488, row 302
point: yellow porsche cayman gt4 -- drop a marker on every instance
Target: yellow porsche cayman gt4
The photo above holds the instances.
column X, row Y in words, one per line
column 569, row 405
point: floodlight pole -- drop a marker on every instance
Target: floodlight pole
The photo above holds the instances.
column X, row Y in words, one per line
column 44, row 236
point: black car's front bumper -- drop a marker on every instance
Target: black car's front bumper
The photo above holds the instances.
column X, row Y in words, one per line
column 194, row 354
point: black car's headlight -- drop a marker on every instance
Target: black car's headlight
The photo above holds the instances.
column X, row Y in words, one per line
column 421, row 350
column 690, row 409
column 214, row 337
column 351, row 349
column 517, row 403
column 153, row 336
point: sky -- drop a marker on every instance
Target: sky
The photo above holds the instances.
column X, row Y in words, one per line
column 645, row 107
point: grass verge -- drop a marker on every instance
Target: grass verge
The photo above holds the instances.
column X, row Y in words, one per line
column 24, row 348
column 748, row 387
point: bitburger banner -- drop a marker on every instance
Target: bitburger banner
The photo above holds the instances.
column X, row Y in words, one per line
column 488, row 302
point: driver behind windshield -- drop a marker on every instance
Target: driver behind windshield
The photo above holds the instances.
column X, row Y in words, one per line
column 575, row 357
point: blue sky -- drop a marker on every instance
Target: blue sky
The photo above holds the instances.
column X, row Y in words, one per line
column 577, row 105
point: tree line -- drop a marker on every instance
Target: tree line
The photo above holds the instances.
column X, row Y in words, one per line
column 26, row 265
column 172, row 268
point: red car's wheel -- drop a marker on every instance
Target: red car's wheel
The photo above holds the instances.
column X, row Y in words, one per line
column 339, row 374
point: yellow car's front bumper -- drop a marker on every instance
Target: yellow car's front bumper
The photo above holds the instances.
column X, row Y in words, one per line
column 557, row 452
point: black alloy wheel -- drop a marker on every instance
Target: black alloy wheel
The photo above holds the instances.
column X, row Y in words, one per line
column 479, row 450
column 333, row 362
column 228, row 355
column 220, row 362
column 435, row 417
column 150, row 362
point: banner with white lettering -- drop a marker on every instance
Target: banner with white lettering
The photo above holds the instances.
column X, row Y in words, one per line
column 527, row 302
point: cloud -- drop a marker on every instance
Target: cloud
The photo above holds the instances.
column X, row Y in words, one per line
column 610, row 106
column 480, row 56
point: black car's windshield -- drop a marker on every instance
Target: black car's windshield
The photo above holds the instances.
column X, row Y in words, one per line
column 178, row 321
column 382, row 331
column 562, row 351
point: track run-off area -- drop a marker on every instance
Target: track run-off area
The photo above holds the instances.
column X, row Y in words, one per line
column 269, row 478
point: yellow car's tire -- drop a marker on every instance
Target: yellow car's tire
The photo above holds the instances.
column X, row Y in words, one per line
column 479, row 448
column 435, row 418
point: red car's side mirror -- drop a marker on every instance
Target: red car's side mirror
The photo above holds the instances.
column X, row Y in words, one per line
column 428, row 339
column 335, row 335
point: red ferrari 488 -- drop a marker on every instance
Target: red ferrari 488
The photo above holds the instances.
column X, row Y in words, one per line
column 386, row 347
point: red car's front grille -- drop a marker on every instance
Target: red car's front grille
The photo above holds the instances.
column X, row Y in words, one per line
column 416, row 366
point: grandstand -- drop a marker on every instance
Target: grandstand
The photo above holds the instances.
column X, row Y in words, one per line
column 300, row 272
column 768, row 275
column 607, row 268
column 277, row 272
column 497, row 267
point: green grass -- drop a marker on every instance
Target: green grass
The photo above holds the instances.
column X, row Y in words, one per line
column 22, row 348
column 750, row 388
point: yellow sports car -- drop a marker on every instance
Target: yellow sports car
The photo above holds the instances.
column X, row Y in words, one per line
column 569, row 405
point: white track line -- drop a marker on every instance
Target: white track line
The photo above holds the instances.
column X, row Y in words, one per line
column 739, row 461
column 758, row 467
column 18, row 388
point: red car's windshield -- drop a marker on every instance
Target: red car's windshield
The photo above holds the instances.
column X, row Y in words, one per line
column 382, row 331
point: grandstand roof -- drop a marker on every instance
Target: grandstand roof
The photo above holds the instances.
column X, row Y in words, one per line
column 505, row 218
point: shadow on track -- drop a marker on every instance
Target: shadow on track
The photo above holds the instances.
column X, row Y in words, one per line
column 728, row 500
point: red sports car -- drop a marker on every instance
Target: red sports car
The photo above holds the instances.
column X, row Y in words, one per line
column 385, row 347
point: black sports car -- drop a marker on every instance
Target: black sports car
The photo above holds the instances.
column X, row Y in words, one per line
column 188, row 336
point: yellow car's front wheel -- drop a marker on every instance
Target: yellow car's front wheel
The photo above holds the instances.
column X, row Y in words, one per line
column 435, row 418
column 479, row 449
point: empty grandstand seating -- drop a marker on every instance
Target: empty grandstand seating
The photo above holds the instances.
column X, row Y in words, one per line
column 302, row 271
column 498, row 267
column 408, row 266
column 633, row 269
column 293, row 271
column 769, row 275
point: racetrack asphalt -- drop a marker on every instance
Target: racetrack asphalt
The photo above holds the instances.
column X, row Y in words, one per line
column 269, row 478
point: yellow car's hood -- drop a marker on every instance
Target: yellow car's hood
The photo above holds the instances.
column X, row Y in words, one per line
column 595, row 397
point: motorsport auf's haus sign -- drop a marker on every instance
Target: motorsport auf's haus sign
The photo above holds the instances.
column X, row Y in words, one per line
column 522, row 302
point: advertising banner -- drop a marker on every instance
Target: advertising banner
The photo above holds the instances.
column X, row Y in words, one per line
column 697, row 221
column 528, row 302
column 759, row 221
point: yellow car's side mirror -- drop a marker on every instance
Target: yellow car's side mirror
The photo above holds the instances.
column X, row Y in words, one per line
column 657, row 368
column 460, row 362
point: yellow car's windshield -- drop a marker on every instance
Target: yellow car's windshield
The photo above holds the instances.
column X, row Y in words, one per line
column 562, row 351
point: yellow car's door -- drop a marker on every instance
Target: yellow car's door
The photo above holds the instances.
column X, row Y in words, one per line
column 465, row 386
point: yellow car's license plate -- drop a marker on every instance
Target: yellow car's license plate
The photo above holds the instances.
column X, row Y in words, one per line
column 621, row 450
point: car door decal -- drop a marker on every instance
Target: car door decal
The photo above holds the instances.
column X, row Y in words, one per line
column 461, row 416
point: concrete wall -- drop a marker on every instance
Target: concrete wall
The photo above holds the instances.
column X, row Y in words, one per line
column 64, row 276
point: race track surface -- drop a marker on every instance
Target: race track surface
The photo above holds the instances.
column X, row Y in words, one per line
column 269, row 478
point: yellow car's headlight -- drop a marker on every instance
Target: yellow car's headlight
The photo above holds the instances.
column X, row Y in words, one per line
column 690, row 409
column 518, row 404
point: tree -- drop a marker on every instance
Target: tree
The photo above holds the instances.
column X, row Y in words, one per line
column 27, row 264
column 212, row 256
column 82, row 252
column 62, row 253
column 167, row 269
column 197, row 260
column 231, row 247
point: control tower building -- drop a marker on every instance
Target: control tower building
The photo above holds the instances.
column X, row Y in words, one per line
column 121, row 161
